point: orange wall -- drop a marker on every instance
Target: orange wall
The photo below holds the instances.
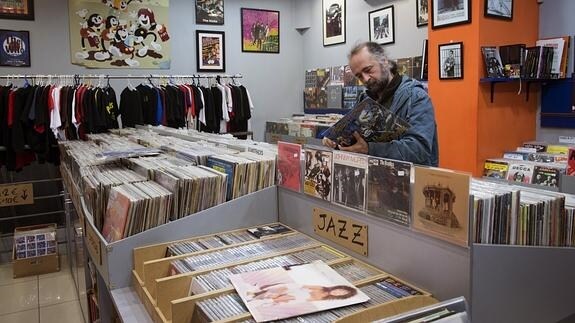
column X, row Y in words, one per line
column 471, row 128
column 455, row 101
column 509, row 120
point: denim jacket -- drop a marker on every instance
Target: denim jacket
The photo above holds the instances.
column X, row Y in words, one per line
column 419, row 144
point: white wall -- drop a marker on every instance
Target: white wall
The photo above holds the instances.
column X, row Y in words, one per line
column 274, row 80
column 556, row 19
column 408, row 37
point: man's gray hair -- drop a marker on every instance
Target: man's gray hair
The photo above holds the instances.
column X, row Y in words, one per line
column 375, row 50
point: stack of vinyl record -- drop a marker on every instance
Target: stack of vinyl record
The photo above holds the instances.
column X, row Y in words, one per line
column 97, row 183
column 146, row 166
column 195, row 188
column 494, row 212
column 136, row 207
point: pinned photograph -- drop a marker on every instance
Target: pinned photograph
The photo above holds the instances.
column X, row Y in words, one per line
column 451, row 61
column 333, row 14
column 15, row 48
column 422, row 12
column 210, row 12
column 210, row 51
column 260, row 31
column 450, row 12
column 382, row 26
column 501, row 9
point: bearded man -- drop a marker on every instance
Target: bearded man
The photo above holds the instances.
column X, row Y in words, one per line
column 402, row 95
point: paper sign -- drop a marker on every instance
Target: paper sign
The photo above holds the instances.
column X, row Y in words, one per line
column 19, row 194
column 342, row 230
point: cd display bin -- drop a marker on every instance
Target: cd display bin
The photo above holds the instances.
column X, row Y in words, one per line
column 167, row 298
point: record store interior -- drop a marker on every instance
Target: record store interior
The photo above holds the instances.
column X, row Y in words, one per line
column 393, row 161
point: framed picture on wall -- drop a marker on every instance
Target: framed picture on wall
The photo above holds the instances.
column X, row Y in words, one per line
column 260, row 31
column 17, row 9
column 501, row 9
column 210, row 12
column 210, row 50
column 450, row 12
column 382, row 26
column 15, row 50
column 451, row 61
column 333, row 14
column 421, row 12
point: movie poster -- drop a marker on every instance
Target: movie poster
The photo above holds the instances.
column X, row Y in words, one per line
column 120, row 33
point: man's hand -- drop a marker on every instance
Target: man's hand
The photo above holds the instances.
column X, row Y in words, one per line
column 329, row 143
column 360, row 146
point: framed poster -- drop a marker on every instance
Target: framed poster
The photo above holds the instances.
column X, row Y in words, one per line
column 209, row 12
column 260, row 31
column 501, row 9
column 210, row 50
column 451, row 61
column 17, row 9
column 382, row 26
column 421, row 12
column 120, row 34
column 333, row 14
column 15, row 48
column 450, row 12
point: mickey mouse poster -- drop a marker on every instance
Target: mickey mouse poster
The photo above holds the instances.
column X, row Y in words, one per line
column 120, row 33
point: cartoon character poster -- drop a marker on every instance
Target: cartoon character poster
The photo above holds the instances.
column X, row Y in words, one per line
column 260, row 31
column 15, row 48
column 120, row 33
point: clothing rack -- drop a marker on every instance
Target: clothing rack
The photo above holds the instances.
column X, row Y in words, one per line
column 107, row 76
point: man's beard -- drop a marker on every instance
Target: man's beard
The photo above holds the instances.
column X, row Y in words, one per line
column 376, row 86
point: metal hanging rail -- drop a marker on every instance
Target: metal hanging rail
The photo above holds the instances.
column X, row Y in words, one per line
column 107, row 76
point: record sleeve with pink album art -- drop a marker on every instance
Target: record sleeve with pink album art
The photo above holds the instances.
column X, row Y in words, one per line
column 283, row 292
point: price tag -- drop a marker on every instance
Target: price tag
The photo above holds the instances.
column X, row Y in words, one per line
column 300, row 140
column 19, row 194
column 567, row 140
column 342, row 230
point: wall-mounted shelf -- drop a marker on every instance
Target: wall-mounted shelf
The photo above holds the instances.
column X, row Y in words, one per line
column 494, row 80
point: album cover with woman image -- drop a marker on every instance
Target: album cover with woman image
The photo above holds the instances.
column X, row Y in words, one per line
column 283, row 292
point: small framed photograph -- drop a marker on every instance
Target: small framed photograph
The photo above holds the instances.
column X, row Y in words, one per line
column 17, row 9
column 210, row 50
column 333, row 14
column 421, row 12
column 15, row 50
column 209, row 12
column 501, row 9
column 451, row 61
column 382, row 26
column 260, row 31
column 450, row 12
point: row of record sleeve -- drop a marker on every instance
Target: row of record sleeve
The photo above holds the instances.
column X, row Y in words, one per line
column 135, row 180
column 441, row 203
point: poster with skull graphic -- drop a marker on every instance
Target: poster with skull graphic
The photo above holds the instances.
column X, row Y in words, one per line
column 120, row 33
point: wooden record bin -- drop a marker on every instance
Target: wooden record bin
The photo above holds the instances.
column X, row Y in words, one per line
column 166, row 298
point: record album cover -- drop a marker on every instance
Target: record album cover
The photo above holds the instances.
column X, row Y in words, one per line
column 371, row 120
column 441, row 204
column 318, row 173
column 289, row 170
column 349, row 179
column 283, row 292
column 388, row 189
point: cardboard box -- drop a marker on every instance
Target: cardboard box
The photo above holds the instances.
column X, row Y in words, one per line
column 35, row 238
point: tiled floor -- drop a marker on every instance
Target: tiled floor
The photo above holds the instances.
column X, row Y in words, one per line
column 49, row 298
